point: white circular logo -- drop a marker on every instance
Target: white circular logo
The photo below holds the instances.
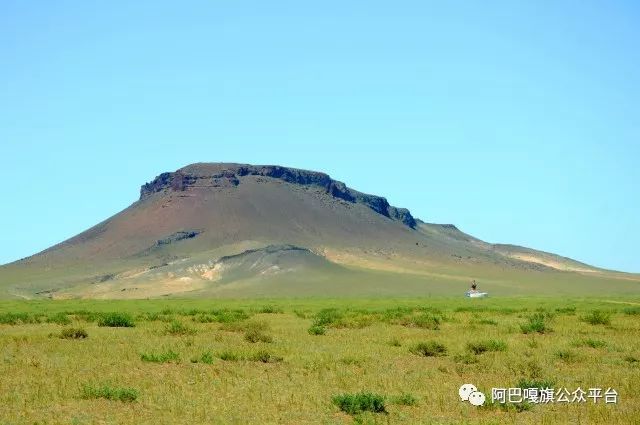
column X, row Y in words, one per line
column 465, row 390
column 476, row 398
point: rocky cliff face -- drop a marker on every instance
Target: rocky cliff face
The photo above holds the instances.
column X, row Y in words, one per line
column 229, row 175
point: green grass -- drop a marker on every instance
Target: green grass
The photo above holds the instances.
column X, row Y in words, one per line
column 597, row 317
column 73, row 333
column 109, row 393
column 567, row 356
column 11, row 318
column 405, row 400
column 264, row 357
column 164, row 357
column 177, row 328
column 536, row 323
column 213, row 374
column 354, row 404
column 229, row 356
column 479, row 347
column 59, row 319
column 116, row 320
column 590, row 342
column 535, row 383
column 429, row 349
column 206, row 358
column 317, row 330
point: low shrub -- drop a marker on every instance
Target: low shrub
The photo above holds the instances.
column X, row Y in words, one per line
column 177, row 328
column 405, row 399
column 259, row 356
column 264, row 357
column 535, row 323
column 487, row 322
column 354, row 404
column 229, row 356
column 589, row 342
column 429, row 349
column 206, row 358
column 597, row 317
column 535, row 383
column 465, row 358
column 317, row 330
column 255, row 335
column 480, row 347
column 110, row 393
column 270, row 309
column 73, row 333
column 116, row 320
column 166, row 357
column 567, row 356
column 59, row 319
column 566, row 310
column 17, row 318
column 246, row 326
column 327, row 317
column 221, row 316
column 424, row 321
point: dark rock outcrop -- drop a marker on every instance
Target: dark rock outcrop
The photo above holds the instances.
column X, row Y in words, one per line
column 178, row 236
column 230, row 175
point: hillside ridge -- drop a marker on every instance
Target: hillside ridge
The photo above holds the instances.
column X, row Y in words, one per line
column 230, row 175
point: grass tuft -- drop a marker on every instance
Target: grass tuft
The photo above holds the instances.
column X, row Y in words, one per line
column 177, row 328
column 423, row 321
column 17, row 318
column 229, row 356
column 480, row 347
column 327, row 317
column 317, row 330
column 270, row 309
column 116, row 320
column 221, row 316
column 264, row 357
column 405, row 399
column 429, row 349
column 567, row 356
column 166, row 357
column 354, row 404
column 59, row 319
column 465, row 358
column 206, row 358
column 487, row 322
column 535, row 383
column 256, row 335
column 536, row 323
column 589, row 342
column 73, row 333
column 109, row 393
column 597, row 317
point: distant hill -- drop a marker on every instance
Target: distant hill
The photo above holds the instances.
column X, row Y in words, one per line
column 234, row 230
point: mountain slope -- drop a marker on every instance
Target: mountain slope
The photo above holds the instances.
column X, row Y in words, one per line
column 241, row 230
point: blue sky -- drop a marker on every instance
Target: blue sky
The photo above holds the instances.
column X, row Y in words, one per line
column 517, row 121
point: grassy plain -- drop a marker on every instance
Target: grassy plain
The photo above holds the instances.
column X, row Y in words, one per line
column 304, row 361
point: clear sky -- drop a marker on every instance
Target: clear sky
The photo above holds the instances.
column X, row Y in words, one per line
column 517, row 121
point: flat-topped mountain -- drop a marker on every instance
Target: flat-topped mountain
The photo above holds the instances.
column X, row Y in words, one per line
column 250, row 230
